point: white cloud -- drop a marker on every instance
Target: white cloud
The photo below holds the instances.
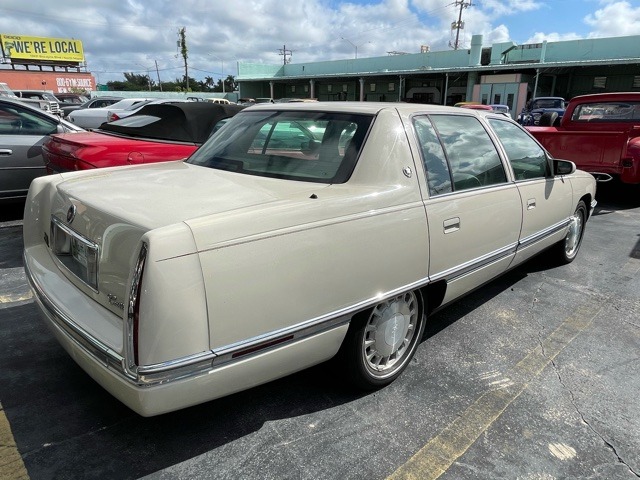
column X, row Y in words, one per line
column 614, row 19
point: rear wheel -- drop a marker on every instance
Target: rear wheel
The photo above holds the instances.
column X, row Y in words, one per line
column 381, row 341
column 567, row 249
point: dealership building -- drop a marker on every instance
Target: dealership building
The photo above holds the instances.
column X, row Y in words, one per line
column 504, row 73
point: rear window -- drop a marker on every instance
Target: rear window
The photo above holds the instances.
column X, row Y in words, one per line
column 603, row 112
column 306, row 146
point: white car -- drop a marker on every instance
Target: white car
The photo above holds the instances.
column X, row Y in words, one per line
column 299, row 231
column 94, row 117
column 117, row 114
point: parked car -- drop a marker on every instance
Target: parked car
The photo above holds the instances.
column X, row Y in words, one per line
column 222, row 101
column 95, row 102
column 540, row 109
column 23, row 129
column 600, row 133
column 156, row 133
column 117, row 114
column 94, row 117
column 40, row 98
column 474, row 106
column 71, row 98
column 176, row 283
column 501, row 108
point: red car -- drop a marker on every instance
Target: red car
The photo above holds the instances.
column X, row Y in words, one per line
column 156, row 133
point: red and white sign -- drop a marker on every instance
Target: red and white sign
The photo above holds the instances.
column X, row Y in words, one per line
column 57, row 82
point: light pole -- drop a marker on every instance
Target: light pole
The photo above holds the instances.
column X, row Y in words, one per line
column 354, row 45
column 222, row 70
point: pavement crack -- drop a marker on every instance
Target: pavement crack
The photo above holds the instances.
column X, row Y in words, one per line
column 586, row 422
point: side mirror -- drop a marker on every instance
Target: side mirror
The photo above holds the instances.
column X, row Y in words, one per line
column 563, row 167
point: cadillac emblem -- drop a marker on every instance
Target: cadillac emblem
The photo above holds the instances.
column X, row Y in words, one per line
column 71, row 214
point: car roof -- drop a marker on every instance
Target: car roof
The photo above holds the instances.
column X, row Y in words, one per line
column 182, row 122
column 370, row 108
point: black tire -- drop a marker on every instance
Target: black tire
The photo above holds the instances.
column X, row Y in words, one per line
column 567, row 249
column 381, row 341
column 547, row 119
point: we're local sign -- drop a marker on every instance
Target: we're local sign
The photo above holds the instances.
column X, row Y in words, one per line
column 21, row 47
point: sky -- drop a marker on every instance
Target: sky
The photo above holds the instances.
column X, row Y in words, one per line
column 133, row 35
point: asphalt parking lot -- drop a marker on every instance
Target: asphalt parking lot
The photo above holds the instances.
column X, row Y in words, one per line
column 534, row 376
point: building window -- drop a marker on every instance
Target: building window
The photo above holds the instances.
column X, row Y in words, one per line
column 636, row 81
column 329, row 88
column 306, row 88
column 293, row 89
column 599, row 82
column 392, row 87
column 345, row 87
column 372, row 87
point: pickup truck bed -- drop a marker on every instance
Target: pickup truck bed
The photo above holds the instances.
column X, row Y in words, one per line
column 600, row 134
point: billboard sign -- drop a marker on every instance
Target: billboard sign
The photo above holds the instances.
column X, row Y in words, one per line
column 22, row 49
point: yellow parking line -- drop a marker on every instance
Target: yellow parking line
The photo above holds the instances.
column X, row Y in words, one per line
column 11, row 464
column 453, row 441
column 16, row 298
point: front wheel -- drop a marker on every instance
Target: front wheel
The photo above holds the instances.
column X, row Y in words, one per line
column 381, row 341
column 567, row 249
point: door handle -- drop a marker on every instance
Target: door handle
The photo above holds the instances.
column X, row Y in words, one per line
column 451, row 225
column 6, row 151
column 531, row 204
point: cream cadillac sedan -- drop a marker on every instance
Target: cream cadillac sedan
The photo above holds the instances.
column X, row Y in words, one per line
column 298, row 232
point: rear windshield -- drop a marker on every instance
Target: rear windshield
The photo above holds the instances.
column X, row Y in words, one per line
column 296, row 145
column 603, row 112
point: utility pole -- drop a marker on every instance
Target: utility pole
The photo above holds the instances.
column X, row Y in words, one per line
column 158, row 73
column 459, row 25
column 284, row 52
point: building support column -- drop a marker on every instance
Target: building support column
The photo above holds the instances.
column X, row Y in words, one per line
column 535, row 85
column 271, row 90
column 312, row 88
column 401, row 79
column 472, row 78
column 362, row 89
column 446, row 89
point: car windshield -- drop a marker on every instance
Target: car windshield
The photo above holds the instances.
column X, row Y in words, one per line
column 295, row 145
column 548, row 103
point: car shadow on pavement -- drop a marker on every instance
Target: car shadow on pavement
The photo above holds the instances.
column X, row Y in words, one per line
column 66, row 426
column 614, row 195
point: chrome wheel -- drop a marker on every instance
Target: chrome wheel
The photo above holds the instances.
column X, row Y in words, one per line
column 574, row 235
column 567, row 249
column 389, row 334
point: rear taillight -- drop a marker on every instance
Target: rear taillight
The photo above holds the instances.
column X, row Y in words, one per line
column 133, row 315
column 112, row 116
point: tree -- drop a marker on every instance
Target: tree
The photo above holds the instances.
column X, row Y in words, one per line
column 182, row 45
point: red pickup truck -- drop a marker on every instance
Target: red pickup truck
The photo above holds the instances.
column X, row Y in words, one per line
column 600, row 133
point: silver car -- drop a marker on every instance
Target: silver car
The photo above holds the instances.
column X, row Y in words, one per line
column 23, row 129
